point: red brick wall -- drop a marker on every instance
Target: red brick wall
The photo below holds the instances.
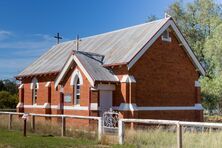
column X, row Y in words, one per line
column 120, row 95
column 68, row 89
column 165, row 76
column 41, row 92
column 84, row 89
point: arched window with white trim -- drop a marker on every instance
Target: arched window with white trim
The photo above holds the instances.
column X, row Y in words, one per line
column 77, row 92
column 34, row 87
column 76, row 82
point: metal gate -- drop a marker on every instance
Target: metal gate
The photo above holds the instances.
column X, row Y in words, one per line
column 110, row 120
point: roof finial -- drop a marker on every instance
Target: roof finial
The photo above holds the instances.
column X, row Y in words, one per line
column 77, row 42
column 167, row 15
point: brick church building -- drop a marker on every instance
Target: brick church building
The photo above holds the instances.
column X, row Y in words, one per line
column 144, row 71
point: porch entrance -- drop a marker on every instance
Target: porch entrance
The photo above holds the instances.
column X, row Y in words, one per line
column 105, row 102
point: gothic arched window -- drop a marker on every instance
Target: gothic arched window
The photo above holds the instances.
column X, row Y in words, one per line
column 34, row 88
column 76, row 88
column 76, row 82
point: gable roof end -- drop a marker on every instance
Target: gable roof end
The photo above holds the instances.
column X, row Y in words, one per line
column 169, row 23
column 90, row 66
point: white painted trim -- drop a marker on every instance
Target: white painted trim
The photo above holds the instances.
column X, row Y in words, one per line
column 166, row 39
column 116, row 77
column 128, row 79
column 48, row 84
column 33, row 106
column 110, row 87
column 122, row 107
column 21, row 86
column 76, row 107
column 76, row 73
column 61, row 89
column 127, row 106
column 91, row 81
column 180, row 36
column 66, row 67
column 94, row 106
column 34, row 80
column 19, row 105
column 54, row 107
column 134, row 107
column 195, row 107
column 47, row 105
column 197, row 84
column 93, row 88
column 64, row 71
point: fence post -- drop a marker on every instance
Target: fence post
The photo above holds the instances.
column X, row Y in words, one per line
column 121, row 131
column 179, row 135
column 33, row 122
column 100, row 130
column 9, row 121
column 63, row 128
column 24, row 128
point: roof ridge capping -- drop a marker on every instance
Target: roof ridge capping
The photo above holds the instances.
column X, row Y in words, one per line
column 114, row 31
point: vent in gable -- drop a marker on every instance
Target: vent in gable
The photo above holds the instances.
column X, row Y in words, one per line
column 166, row 36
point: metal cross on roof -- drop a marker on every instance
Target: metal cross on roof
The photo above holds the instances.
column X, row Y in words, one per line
column 58, row 38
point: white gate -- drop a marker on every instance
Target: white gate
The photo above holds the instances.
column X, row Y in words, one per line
column 110, row 120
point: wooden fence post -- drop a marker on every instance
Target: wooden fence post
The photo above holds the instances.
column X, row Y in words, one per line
column 100, row 130
column 9, row 121
column 24, row 128
column 63, row 128
column 121, row 131
column 179, row 135
column 33, row 122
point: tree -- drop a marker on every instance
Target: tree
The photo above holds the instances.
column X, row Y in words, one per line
column 10, row 86
column 8, row 101
column 196, row 20
column 213, row 52
column 8, row 94
column 201, row 23
column 151, row 18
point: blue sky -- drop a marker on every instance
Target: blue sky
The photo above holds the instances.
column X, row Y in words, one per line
column 27, row 27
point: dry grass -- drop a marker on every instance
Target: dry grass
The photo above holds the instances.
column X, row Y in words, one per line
column 49, row 127
column 156, row 137
column 160, row 137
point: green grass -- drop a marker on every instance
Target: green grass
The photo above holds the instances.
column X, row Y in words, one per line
column 16, row 139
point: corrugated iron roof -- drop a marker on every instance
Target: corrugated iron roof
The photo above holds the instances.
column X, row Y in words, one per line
column 95, row 69
column 118, row 46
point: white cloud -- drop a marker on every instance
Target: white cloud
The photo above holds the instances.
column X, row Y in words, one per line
column 18, row 51
column 36, row 41
column 5, row 34
column 25, row 44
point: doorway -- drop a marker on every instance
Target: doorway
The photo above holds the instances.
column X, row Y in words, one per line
column 105, row 102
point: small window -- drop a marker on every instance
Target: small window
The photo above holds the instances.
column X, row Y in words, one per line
column 34, row 90
column 166, row 36
column 77, row 92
